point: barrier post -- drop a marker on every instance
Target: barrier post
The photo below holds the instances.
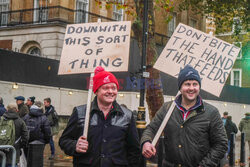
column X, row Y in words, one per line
column 242, row 150
column 232, row 150
column 141, row 125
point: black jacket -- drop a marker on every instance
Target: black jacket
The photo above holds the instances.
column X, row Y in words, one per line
column 21, row 133
column 112, row 142
column 23, row 110
column 44, row 132
column 230, row 128
column 50, row 114
column 199, row 140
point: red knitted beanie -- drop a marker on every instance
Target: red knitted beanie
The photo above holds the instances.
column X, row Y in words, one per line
column 103, row 77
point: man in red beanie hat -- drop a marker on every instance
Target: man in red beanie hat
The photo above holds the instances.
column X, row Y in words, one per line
column 112, row 136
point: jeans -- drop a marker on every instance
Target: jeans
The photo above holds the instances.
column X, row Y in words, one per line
column 8, row 165
column 52, row 146
column 228, row 149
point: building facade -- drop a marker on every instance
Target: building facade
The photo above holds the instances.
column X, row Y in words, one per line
column 37, row 27
column 240, row 73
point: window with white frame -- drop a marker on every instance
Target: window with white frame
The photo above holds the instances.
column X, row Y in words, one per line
column 36, row 11
column 34, row 51
column 235, row 77
column 4, row 6
column 192, row 23
column 236, row 24
column 81, row 11
column 239, row 44
column 37, row 16
column 118, row 13
column 44, row 12
column 172, row 25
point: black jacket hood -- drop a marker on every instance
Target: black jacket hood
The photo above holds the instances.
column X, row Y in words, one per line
column 11, row 114
column 35, row 112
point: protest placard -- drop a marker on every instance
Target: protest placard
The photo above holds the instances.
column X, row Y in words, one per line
column 89, row 45
column 212, row 57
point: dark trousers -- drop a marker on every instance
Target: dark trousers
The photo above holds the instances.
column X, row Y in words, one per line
column 52, row 146
column 8, row 165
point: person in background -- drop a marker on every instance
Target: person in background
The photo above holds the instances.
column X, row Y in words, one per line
column 194, row 135
column 22, row 108
column 21, row 133
column 30, row 101
column 2, row 108
column 52, row 116
column 224, row 118
column 230, row 128
column 112, row 139
column 244, row 126
column 38, row 126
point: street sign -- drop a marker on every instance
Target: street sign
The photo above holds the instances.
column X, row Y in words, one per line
column 146, row 74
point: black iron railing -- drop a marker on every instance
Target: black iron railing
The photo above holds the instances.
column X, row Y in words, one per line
column 56, row 14
column 52, row 14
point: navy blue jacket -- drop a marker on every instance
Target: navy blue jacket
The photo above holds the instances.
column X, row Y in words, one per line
column 44, row 133
column 2, row 109
column 113, row 142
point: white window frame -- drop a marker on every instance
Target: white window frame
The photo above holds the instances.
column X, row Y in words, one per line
column 172, row 24
column 4, row 6
column 236, row 20
column 32, row 49
column 79, row 15
column 36, row 11
column 232, row 76
column 118, row 14
column 45, row 13
column 240, row 46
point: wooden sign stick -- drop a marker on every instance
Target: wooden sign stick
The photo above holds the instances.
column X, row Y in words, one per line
column 86, row 123
column 164, row 122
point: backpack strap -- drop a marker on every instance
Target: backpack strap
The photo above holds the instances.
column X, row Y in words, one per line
column 50, row 110
column 18, row 140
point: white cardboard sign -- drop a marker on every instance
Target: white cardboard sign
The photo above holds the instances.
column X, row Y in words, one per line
column 89, row 45
column 210, row 56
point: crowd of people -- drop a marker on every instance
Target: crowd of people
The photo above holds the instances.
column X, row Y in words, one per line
column 195, row 134
column 32, row 121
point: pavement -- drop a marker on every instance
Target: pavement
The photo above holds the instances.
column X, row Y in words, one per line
column 61, row 159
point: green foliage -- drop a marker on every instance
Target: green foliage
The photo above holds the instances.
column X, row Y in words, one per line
column 138, row 22
column 246, row 50
column 137, row 8
column 223, row 12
